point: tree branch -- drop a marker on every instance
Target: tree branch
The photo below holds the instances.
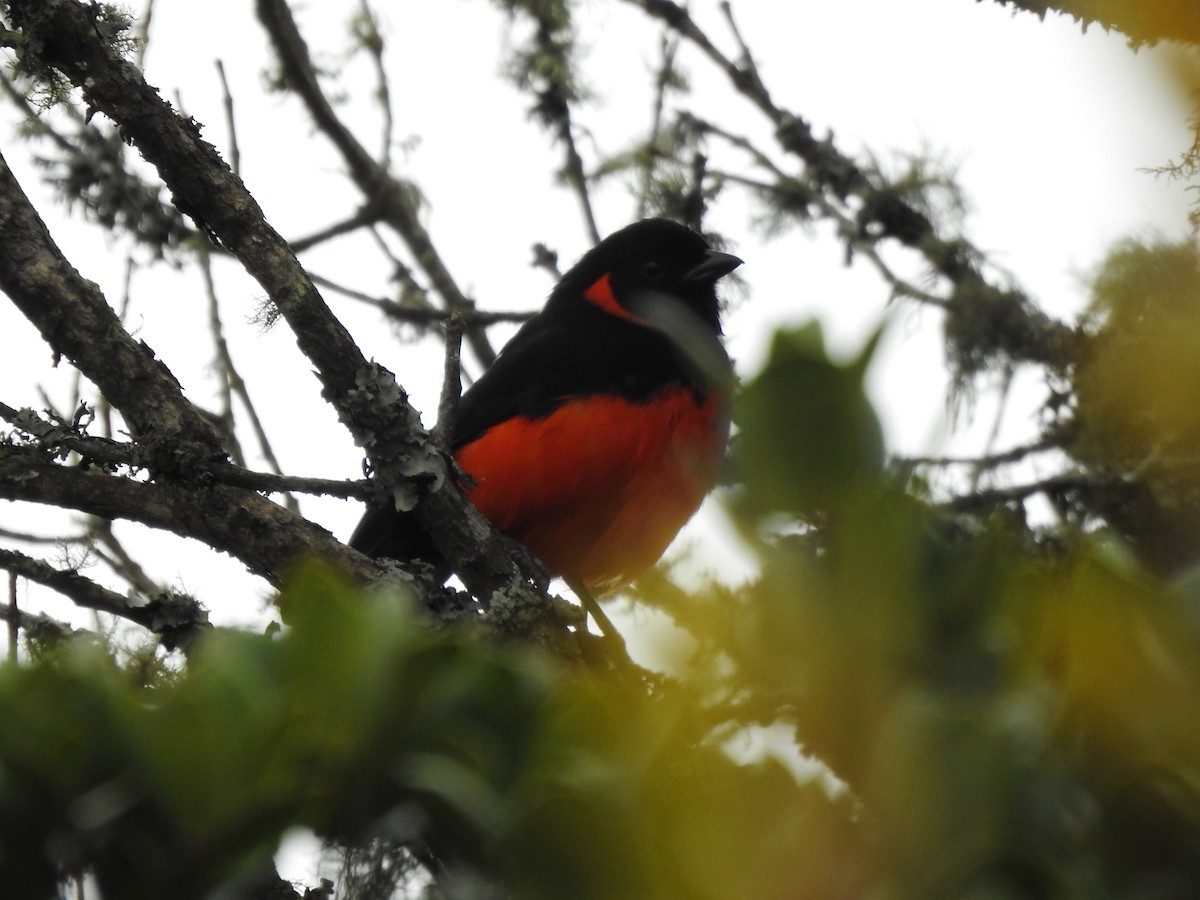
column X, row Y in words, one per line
column 176, row 618
column 262, row 534
column 59, row 438
column 205, row 189
column 33, row 624
column 363, row 218
column 422, row 315
column 393, row 199
column 76, row 321
column 983, row 321
column 14, row 625
column 365, row 395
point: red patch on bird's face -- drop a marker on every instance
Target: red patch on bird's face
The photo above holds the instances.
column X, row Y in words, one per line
column 601, row 294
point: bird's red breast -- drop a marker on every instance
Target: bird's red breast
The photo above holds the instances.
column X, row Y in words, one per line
column 598, row 488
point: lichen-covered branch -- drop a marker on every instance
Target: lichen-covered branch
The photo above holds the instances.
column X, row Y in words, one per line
column 35, row 625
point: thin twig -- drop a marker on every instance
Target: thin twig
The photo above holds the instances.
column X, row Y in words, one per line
column 1055, row 484
column 14, row 619
column 375, row 46
column 142, row 32
column 668, row 47
column 849, row 231
column 997, row 422
column 411, row 290
column 105, row 545
column 747, row 60
column 223, row 364
column 576, row 175
column 235, row 384
column 365, row 217
column 422, row 315
column 274, row 483
column 991, row 461
column 235, row 155
column 695, row 205
column 27, row 538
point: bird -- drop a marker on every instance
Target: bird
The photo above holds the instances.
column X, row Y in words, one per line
column 603, row 423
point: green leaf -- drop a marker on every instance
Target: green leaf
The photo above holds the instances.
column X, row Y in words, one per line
column 809, row 436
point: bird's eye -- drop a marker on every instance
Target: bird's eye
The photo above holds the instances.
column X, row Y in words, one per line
column 652, row 269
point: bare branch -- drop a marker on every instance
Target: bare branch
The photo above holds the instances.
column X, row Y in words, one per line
column 1053, row 485
column 176, row 618
column 664, row 77
column 205, row 188
column 233, row 384
column 415, row 315
column 274, row 483
column 556, row 110
column 987, row 461
column 14, row 619
column 235, row 155
column 143, row 31
column 104, row 544
column 361, row 219
column 28, row 538
column 371, row 38
column 747, row 59
column 223, row 364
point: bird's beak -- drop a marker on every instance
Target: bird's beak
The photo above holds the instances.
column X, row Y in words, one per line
column 715, row 265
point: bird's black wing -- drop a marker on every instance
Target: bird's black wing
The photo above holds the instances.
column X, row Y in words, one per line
column 577, row 351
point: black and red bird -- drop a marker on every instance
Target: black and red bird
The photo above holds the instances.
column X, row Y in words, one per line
column 602, row 424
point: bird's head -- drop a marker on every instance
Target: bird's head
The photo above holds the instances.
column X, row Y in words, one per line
column 655, row 263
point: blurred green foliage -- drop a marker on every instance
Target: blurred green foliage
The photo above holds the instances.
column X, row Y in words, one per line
column 1006, row 719
column 1133, row 423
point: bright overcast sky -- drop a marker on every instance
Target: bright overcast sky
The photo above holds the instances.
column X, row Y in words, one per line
column 1046, row 126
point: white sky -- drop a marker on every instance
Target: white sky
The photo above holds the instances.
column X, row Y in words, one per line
column 1047, row 127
